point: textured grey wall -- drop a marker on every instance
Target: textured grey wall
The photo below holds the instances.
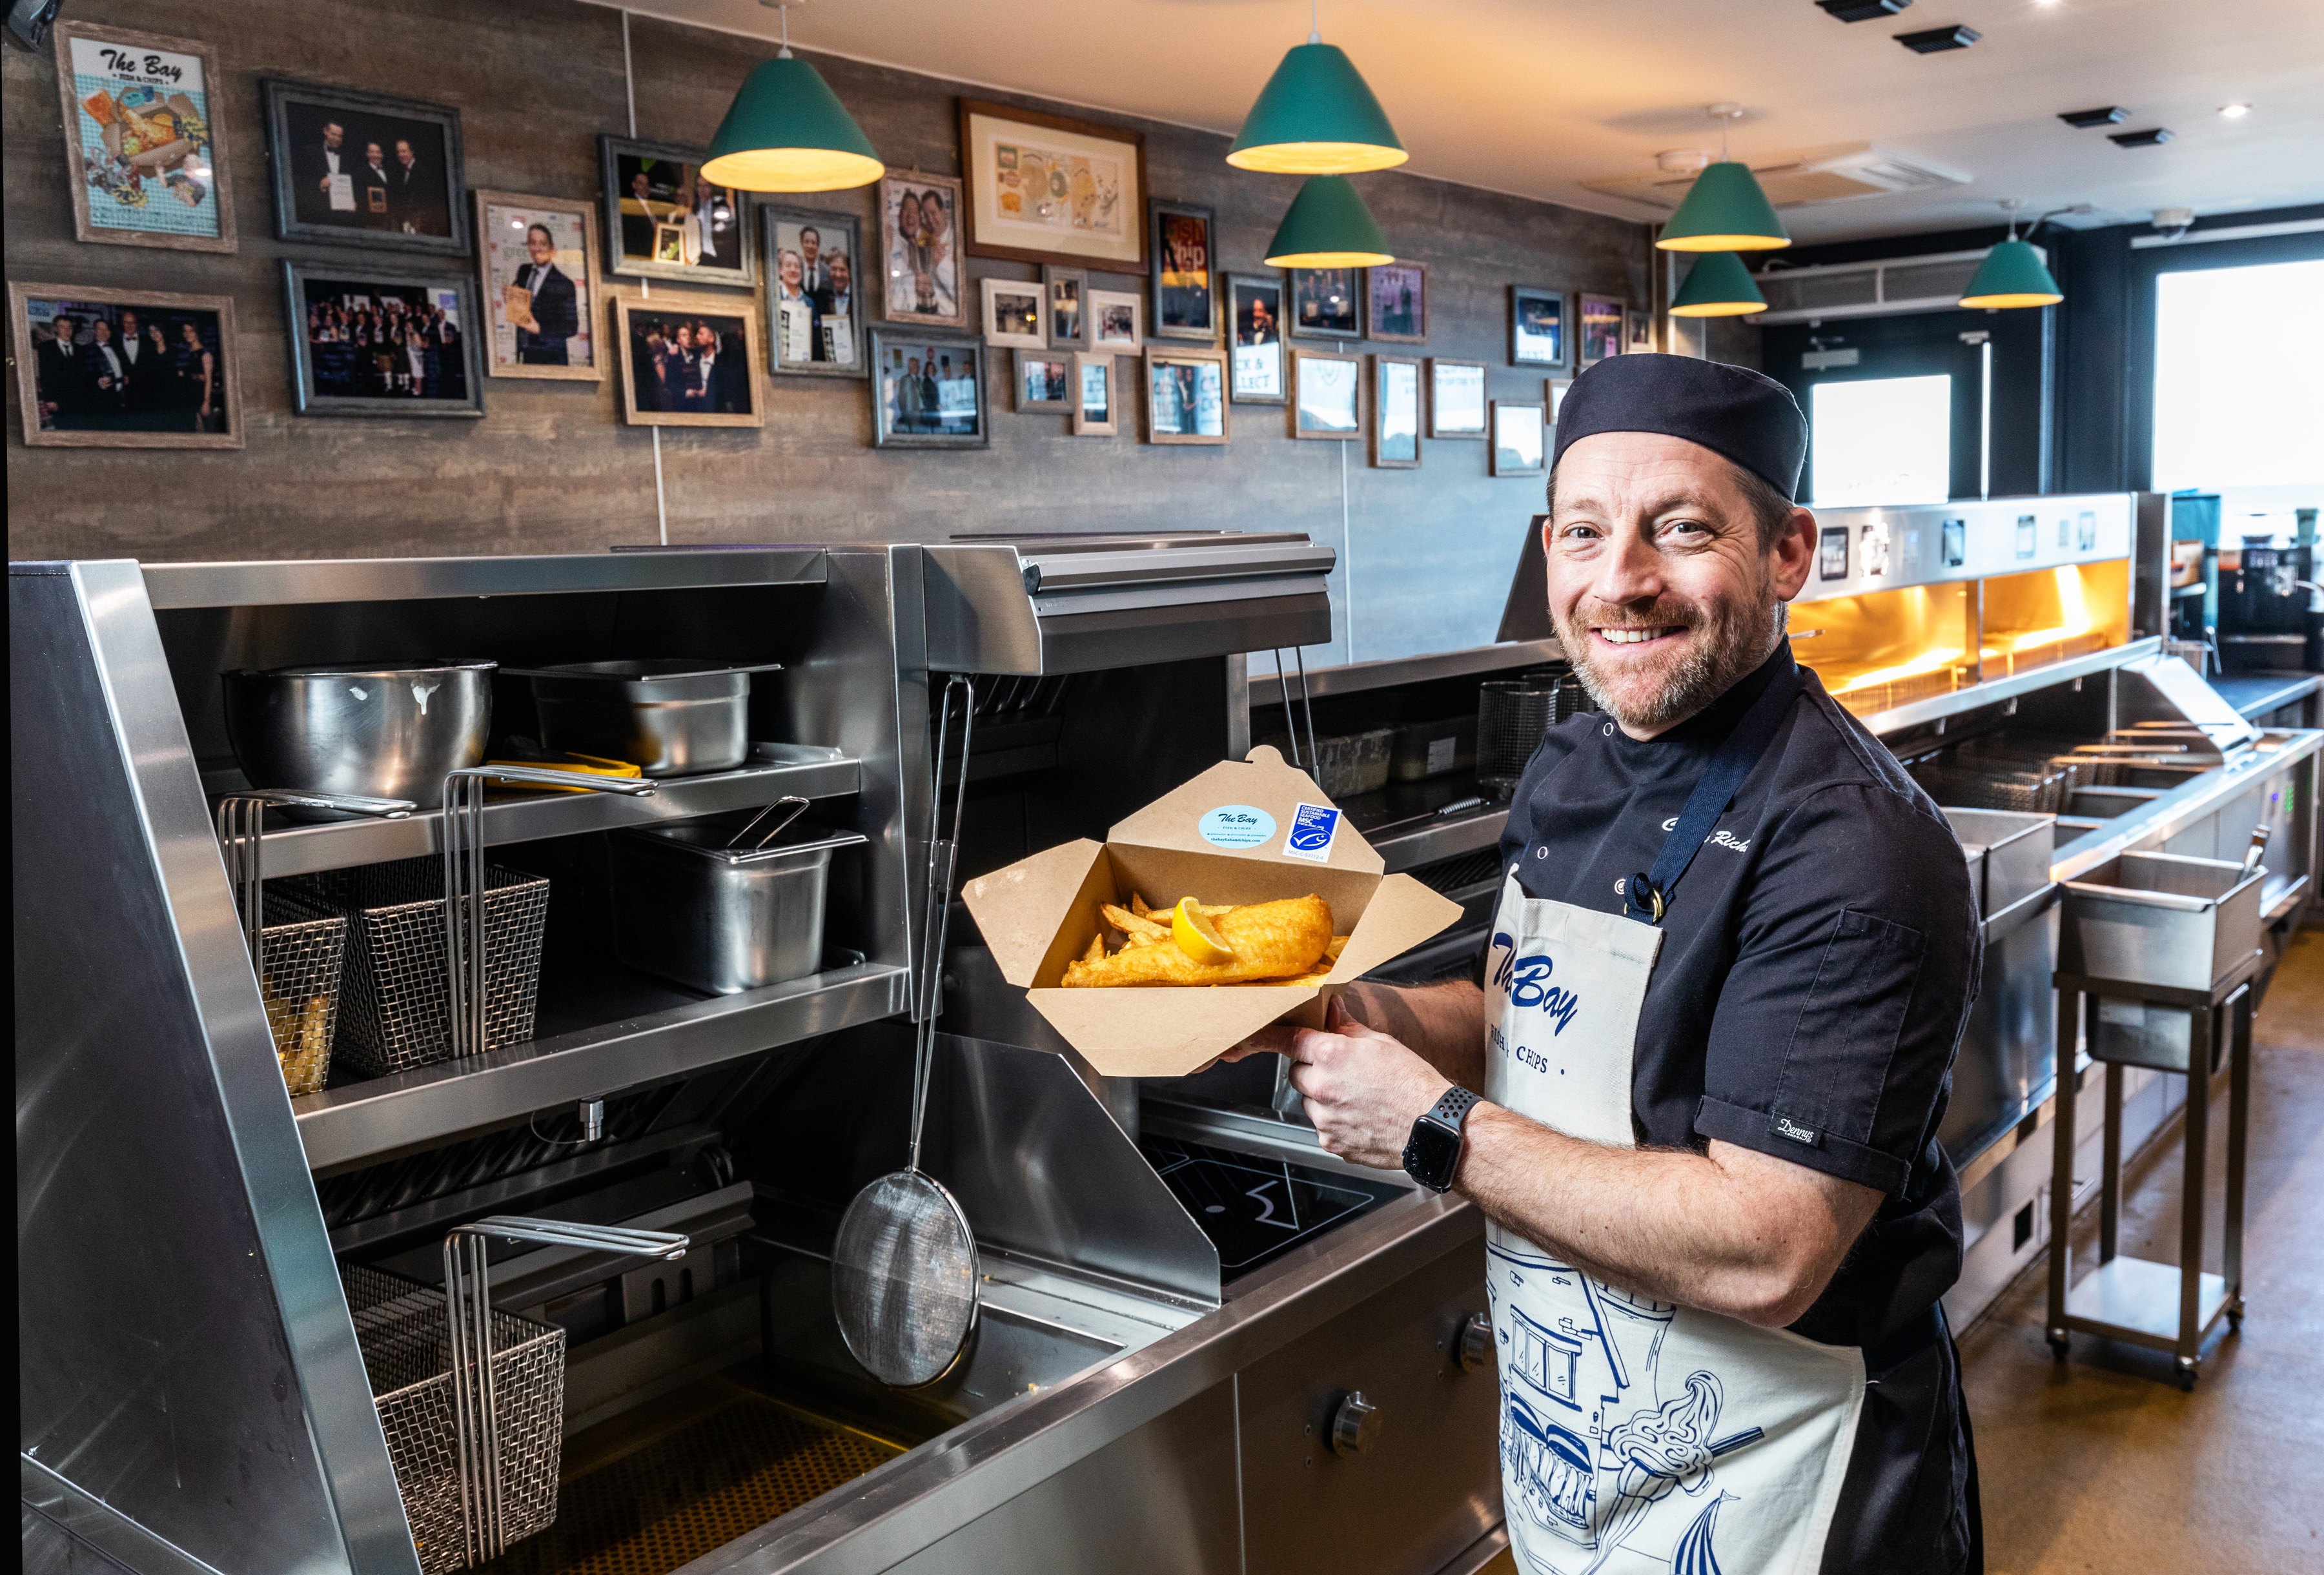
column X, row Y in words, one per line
column 1426, row 553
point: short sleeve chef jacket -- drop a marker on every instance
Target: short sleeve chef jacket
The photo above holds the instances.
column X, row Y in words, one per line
column 1818, row 962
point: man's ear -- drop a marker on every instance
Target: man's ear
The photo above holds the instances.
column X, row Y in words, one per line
column 1795, row 551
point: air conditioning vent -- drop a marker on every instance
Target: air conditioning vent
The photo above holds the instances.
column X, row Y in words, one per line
column 1891, row 287
column 1837, row 174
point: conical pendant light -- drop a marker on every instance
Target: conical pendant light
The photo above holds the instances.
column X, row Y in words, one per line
column 1724, row 210
column 1327, row 225
column 1316, row 115
column 1719, row 286
column 2012, row 274
column 787, row 131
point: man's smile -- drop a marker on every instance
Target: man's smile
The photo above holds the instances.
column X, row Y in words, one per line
column 1622, row 634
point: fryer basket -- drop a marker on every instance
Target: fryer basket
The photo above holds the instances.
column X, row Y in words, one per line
column 298, row 974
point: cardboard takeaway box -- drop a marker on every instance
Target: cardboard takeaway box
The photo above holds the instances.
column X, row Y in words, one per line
column 1240, row 833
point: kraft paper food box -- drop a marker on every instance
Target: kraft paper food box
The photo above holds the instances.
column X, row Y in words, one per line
column 1240, row 833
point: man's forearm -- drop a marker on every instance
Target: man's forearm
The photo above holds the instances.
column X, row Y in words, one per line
column 1444, row 1024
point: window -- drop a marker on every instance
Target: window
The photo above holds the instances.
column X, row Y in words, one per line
column 1882, row 440
column 2238, row 400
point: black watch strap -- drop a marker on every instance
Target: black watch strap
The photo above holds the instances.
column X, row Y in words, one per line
column 1426, row 1157
column 1452, row 1110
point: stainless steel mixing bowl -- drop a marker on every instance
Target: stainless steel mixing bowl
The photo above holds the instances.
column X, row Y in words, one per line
column 385, row 730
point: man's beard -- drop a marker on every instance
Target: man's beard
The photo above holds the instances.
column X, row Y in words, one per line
column 1736, row 638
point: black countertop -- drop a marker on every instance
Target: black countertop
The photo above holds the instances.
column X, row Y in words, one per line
column 2257, row 694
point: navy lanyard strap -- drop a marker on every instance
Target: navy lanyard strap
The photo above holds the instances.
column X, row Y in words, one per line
column 1648, row 897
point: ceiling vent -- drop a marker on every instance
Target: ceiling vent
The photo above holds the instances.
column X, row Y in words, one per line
column 1891, row 287
column 1828, row 174
column 1936, row 40
column 2084, row 119
column 2152, row 137
column 1863, row 10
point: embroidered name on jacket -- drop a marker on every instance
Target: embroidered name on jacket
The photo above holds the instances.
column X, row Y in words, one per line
column 1718, row 839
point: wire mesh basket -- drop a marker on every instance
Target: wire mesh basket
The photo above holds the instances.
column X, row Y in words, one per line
column 1573, row 699
column 1512, row 715
column 394, row 1012
column 299, row 974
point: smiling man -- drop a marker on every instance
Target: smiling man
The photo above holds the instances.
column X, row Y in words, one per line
column 1713, row 1028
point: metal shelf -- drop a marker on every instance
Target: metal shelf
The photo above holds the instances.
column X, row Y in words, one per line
column 1993, row 691
column 816, row 772
column 373, row 1120
column 1441, row 838
column 1355, row 678
column 295, row 582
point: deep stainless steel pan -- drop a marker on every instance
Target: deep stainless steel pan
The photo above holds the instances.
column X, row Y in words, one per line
column 375, row 730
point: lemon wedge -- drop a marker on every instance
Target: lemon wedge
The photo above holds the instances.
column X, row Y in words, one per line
column 1196, row 935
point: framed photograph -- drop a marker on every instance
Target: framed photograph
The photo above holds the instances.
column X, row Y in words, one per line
column 664, row 221
column 1097, row 396
column 1536, row 327
column 124, row 368
column 691, row 361
column 1185, row 297
column 1045, row 188
column 1598, row 328
column 1013, row 318
column 1395, row 413
column 920, row 249
column 1185, row 396
column 1255, row 320
column 1396, row 303
column 1323, row 304
column 1832, row 552
column 368, row 341
column 1327, row 394
column 1067, row 291
column 928, row 392
column 145, row 154
column 1519, row 445
column 1043, row 382
column 1639, row 337
column 536, row 269
column 1553, row 394
column 1456, row 397
column 814, row 313
column 362, row 170
column 1117, row 321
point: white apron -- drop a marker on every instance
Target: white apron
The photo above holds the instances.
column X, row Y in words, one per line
column 1636, row 1435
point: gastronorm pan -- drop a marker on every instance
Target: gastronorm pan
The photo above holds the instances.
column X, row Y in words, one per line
column 671, row 717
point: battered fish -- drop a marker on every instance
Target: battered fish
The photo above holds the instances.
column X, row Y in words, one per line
column 1271, row 940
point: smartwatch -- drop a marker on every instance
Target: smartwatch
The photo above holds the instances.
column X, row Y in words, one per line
column 1431, row 1154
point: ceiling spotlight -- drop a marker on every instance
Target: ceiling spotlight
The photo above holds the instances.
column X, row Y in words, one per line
column 1683, row 160
column 1862, row 10
column 2084, row 119
column 2234, row 111
column 2173, row 222
column 1936, row 40
column 2152, row 137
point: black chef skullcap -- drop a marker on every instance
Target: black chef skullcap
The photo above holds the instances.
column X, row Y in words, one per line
column 1731, row 410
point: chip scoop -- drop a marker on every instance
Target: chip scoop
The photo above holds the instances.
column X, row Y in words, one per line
column 903, row 1268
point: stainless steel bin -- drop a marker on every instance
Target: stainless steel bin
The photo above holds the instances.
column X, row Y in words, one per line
column 721, row 919
column 2161, row 919
column 671, row 717
column 2017, row 847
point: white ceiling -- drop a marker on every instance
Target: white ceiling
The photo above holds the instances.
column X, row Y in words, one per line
column 1533, row 96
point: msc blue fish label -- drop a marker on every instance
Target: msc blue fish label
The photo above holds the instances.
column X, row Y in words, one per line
column 1236, row 825
column 1313, row 827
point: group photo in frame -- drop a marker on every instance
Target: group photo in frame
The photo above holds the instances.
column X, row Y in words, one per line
column 1185, row 249
column 690, row 361
column 537, row 275
column 1395, row 413
column 1044, row 381
column 365, row 170
column 1456, row 397
column 1327, row 395
column 924, row 281
column 145, row 150
column 1048, row 189
column 1015, row 316
column 1396, row 303
column 1598, row 330
column 665, row 220
column 1537, row 327
column 813, row 265
column 1256, row 368
column 928, row 391
column 1519, row 439
column 101, row 368
column 1185, row 395
column 368, row 341
column 1326, row 303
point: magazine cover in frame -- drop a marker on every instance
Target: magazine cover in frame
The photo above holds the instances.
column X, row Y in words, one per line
column 144, row 155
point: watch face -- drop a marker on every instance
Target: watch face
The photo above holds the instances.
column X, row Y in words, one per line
column 1432, row 1153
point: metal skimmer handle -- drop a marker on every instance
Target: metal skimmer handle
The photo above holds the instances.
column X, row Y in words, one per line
column 463, row 877
column 468, row 1315
column 242, row 842
column 943, row 855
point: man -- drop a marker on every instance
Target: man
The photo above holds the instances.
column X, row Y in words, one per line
column 551, row 317
column 814, row 267
column 109, row 376
column 836, row 336
column 638, row 216
column 62, row 375
column 718, row 230
column 409, row 200
column 372, row 190
column 1720, row 1218
column 323, row 179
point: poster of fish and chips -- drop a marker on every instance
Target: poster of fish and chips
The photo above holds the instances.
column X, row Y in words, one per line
column 141, row 142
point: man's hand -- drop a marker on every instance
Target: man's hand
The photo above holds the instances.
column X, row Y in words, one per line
column 1363, row 1088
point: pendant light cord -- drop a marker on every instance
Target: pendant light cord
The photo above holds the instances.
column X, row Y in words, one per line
column 785, row 11
column 1314, row 28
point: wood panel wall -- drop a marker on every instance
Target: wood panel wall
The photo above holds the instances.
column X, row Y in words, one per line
column 550, row 467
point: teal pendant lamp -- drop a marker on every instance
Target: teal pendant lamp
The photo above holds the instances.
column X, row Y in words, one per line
column 787, row 131
column 1718, row 287
column 1724, row 210
column 1328, row 225
column 2013, row 274
column 1316, row 115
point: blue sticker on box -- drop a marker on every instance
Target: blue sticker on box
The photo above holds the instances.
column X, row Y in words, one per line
column 1236, row 825
column 1313, row 827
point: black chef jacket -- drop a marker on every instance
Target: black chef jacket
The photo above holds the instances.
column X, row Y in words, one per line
column 1818, row 961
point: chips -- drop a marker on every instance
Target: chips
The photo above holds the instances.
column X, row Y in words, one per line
column 1142, row 926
